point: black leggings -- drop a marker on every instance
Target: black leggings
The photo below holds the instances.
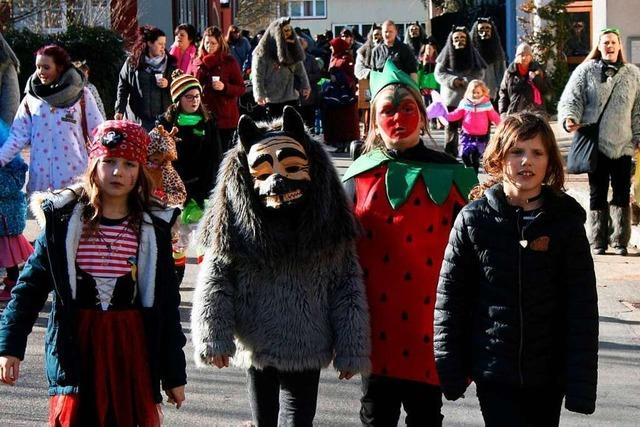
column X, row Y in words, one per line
column 619, row 171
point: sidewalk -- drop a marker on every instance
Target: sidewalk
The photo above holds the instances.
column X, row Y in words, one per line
column 219, row 398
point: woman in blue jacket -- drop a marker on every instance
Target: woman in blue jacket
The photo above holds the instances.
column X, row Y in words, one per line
column 114, row 329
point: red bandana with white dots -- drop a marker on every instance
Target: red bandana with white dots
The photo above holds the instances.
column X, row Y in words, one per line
column 120, row 138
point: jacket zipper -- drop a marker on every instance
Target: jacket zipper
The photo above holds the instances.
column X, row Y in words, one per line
column 49, row 220
column 521, row 229
column 521, row 344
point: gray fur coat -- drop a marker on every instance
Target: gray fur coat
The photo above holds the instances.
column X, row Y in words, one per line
column 9, row 86
column 277, row 292
column 277, row 67
column 584, row 97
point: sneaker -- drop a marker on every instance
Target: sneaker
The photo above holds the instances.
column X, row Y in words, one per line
column 598, row 251
column 620, row 251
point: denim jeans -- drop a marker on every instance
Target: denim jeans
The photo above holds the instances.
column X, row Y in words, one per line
column 284, row 399
column 512, row 406
column 383, row 396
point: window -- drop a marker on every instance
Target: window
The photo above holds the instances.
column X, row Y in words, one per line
column 307, row 9
column 192, row 12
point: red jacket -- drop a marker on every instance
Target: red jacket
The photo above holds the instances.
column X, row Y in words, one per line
column 222, row 104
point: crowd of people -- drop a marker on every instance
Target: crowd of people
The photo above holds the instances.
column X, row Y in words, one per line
column 396, row 273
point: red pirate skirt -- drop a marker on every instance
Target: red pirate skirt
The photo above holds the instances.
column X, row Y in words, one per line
column 115, row 384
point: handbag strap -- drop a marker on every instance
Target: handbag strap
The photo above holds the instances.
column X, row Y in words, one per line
column 606, row 104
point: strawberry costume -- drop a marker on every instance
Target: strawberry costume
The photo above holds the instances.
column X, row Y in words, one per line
column 406, row 198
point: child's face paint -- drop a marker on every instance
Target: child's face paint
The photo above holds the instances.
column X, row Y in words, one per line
column 398, row 118
column 116, row 176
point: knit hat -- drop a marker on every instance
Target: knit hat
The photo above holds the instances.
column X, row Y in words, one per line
column 524, row 48
column 339, row 45
column 390, row 74
column 120, row 138
column 182, row 83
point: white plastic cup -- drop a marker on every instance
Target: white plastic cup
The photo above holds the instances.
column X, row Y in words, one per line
column 159, row 76
column 215, row 79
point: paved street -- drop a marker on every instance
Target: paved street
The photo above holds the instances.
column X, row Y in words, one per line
column 218, row 397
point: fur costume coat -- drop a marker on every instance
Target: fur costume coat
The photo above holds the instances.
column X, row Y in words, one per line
column 277, row 66
column 287, row 289
column 447, row 71
column 9, row 85
column 584, row 97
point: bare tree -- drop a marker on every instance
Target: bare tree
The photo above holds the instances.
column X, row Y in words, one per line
column 255, row 15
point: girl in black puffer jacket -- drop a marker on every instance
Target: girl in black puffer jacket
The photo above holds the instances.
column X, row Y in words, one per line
column 516, row 308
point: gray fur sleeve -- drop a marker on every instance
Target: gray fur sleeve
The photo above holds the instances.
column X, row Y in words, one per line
column 635, row 119
column 571, row 104
column 257, row 76
column 212, row 315
column 443, row 77
column 301, row 73
column 350, row 317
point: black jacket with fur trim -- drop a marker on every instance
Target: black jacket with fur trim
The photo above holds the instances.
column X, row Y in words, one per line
column 52, row 269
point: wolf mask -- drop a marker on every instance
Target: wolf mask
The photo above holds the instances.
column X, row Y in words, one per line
column 277, row 160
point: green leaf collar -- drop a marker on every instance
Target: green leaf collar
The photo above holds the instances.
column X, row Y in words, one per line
column 402, row 175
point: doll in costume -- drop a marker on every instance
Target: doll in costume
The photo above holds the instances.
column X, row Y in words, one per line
column 280, row 288
column 169, row 189
column 406, row 197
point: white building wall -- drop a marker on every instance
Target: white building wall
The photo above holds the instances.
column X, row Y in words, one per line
column 622, row 14
column 350, row 12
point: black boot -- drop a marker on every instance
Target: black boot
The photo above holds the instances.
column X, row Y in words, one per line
column 598, row 225
column 621, row 224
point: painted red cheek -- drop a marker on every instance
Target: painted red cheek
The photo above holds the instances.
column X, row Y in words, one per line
column 401, row 124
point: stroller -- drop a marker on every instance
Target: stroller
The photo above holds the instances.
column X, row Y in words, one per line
column 249, row 106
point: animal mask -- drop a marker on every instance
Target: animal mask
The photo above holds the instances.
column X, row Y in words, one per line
column 278, row 162
column 485, row 30
column 459, row 39
column 168, row 186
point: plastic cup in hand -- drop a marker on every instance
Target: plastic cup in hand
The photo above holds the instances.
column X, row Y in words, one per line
column 215, row 79
column 159, row 76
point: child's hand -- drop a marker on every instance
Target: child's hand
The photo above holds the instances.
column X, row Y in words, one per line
column 346, row 375
column 220, row 361
column 175, row 396
column 9, row 369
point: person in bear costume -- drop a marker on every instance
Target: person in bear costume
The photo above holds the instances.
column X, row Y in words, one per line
column 278, row 68
column 485, row 38
column 280, row 289
column 458, row 64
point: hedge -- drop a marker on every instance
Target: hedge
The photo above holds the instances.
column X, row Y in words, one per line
column 102, row 49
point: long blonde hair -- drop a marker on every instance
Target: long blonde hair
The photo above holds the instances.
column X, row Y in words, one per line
column 139, row 199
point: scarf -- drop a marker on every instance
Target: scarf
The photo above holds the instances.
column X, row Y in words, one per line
column 609, row 69
column 63, row 93
column 155, row 65
column 183, row 59
column 535, row 92
column 185, row 119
